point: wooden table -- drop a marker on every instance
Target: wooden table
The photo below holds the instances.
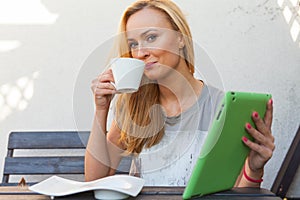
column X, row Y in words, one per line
column 153, row 193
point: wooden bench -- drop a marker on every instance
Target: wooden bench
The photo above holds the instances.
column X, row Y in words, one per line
column 45, row 164
column 288, row 170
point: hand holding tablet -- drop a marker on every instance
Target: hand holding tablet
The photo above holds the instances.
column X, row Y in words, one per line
column 223, row 154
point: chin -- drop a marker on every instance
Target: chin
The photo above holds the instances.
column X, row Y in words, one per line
column 151, row 77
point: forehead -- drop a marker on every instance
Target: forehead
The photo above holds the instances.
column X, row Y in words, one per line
column 146, row 18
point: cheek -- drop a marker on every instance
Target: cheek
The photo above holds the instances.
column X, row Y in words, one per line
column 167, row 45
column 168, row 56
column 167, row 48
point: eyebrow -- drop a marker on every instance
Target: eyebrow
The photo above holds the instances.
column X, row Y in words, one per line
column 144, row 33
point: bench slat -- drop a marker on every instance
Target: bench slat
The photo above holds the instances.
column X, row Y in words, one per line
column 44, row 165
column 53, row 165
column 48, row 140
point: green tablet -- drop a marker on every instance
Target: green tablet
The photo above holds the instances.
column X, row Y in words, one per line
column 223, row 153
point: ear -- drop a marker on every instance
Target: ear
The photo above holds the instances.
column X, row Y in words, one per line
column 180, row 41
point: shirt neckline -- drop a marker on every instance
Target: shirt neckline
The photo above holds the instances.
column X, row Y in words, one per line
column 174, row 119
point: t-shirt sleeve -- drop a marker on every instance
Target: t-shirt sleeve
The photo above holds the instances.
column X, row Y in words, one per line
column 212, row 104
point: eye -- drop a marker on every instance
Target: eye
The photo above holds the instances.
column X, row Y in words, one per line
column 132, row 45
column 151, row 38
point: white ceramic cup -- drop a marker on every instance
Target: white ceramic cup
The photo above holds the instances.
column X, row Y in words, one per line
column 127, row 73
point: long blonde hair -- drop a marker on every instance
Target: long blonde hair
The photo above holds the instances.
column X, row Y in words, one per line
column 139, row 115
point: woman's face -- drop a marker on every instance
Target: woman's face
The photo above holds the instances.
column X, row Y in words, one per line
column 151, row 38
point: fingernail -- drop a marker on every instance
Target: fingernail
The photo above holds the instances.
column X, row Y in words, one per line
column 271, row 101
column 249, row 126
column 255, row 114
column 245, row 139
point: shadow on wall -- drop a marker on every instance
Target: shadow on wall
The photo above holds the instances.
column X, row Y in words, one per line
column 291, row 13
column 16, row 96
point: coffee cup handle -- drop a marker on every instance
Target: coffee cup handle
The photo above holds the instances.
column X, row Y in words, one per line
column 113, row 84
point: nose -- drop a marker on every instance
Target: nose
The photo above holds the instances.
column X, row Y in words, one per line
column 141, row 53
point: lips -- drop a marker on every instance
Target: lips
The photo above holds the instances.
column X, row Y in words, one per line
column 149, row 65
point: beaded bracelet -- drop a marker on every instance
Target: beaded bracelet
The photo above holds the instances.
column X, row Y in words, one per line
column 251, row 179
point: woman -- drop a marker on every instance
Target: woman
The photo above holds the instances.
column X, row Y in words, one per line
column 164, row 123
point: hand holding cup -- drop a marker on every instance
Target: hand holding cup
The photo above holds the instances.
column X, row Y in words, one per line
column 103, row 90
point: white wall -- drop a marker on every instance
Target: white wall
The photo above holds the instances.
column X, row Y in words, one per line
column 50, row 50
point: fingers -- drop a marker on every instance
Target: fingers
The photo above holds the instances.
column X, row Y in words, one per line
column 103, row 89
column 261, row 139
column 269, row 114
column 263, row 145
column 106, row 76
column 261, row 125
column 264, row 152
column 102, row 86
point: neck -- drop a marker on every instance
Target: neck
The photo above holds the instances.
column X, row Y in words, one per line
column 179, row 91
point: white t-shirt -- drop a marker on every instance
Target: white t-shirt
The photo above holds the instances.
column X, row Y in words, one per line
column 171, row 161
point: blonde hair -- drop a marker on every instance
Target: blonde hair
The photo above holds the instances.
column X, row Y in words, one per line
column 139, row 115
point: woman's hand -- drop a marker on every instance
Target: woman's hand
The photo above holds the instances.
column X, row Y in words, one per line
column 263, row 146
column 103, row 90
